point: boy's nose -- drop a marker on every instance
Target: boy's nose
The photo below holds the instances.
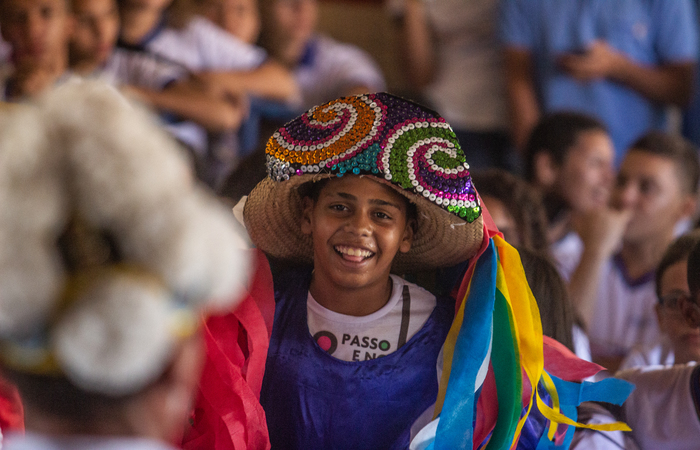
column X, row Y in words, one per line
column 626, row 196
column 360, row 223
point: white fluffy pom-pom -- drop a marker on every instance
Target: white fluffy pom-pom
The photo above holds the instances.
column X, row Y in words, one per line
column 31, row 279
column 116, row 338
column 191, row 242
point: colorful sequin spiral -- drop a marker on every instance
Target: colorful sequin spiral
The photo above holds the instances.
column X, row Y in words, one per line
column 412, row 147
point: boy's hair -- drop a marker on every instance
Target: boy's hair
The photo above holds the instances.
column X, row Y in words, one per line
column 694, row 272
column 551, row 295
column 675, row 147
column 676, row 252
column 521, row 201
column 554, row 134
column 3, row 4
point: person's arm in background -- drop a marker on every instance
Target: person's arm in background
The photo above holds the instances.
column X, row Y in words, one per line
column 187, row 101
column 418, row 52
column 524, row 110
column 601, row 232
column 669, row 83
column 271, row 80
column 674, row 27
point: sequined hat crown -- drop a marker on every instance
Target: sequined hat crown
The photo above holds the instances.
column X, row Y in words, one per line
column 405, row 145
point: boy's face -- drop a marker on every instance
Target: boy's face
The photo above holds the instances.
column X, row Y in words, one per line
column 649, row 185
column 37, row 30
column 238, row 17
column 96, row 29
column 295, row 20
column 357, row 225
column 673, row 289
column 586, row 176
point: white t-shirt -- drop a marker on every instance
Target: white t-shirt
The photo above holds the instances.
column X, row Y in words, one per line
column 328, row 69
column 567, row 254
column 201, row 45
column 660, row 354
column 661, row 410
column 128, row 67
column 352, row 338
column 624, row 312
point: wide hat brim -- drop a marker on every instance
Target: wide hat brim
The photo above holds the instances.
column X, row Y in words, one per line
column 273, row 215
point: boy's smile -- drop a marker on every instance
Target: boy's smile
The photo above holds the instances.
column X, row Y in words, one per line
column 358, row 225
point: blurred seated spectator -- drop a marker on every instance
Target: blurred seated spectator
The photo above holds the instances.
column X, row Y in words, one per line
column 569, row 158
column 226, row 66
column 664, row 409
column 613, row 285
column 37, row 32
column 680, row 342
column 323, row 68
column 624, row 61
column 161, row 84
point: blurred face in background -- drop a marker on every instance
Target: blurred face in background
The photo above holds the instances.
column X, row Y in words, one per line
column 586, row 175
column 241, row 18
column 650, row 186
column 685, row 339
column 503, row 220
column 37, row 30
column 96, row 30
column 295, row 20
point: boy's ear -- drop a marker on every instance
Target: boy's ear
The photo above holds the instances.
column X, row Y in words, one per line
column 308, row 207
column 407, row 239
column 690, row 311
column 545, row 169
column 690, row 205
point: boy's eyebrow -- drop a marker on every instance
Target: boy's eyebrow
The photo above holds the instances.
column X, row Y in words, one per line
column 378, row 202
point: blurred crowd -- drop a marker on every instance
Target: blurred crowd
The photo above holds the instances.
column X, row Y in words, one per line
column 580, row 120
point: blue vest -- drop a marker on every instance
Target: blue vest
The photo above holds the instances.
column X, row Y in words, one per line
column 315, row 401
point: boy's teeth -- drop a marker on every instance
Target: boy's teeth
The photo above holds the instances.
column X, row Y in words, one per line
column 354, row 251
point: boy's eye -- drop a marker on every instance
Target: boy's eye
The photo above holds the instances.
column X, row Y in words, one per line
column 46, row 12
column 338, row 207
column 382, row 215
column 647, row 187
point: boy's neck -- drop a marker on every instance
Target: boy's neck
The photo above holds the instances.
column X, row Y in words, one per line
column 350, row 302
column 137, row 23
column 30, row 78
column 643, row 256
column 290, row 52
column 86, row 67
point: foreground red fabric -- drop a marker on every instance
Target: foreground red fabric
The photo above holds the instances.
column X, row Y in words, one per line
column 11, row 410
column 227, row 413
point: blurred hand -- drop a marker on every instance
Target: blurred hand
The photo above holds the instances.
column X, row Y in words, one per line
column 599, row 61
column 602, row 230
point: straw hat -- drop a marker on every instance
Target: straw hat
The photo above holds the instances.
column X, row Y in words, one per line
column 402, row 144
column 108, row 249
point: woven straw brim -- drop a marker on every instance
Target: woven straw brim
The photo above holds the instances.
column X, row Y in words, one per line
column 273, row 214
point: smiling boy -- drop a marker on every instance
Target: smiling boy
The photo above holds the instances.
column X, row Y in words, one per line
column 354, row 348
